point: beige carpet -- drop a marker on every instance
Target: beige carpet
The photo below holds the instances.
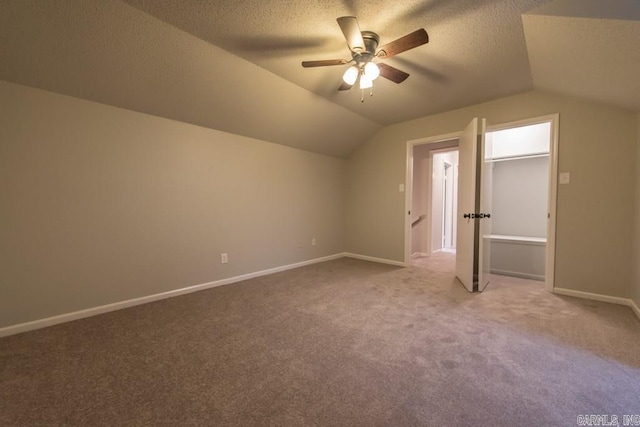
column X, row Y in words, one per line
column 345, row 342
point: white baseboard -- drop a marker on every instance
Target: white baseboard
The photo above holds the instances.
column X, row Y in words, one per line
column 635, row 306
column 374, row 259
column 518, row 274
column 419, row 255
column 599, row 297
column 445, row 251
column 94, row 311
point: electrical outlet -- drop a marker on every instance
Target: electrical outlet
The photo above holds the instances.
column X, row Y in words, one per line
column 224, row 258
column 313, row 241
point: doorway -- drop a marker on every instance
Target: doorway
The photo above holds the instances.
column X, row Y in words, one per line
column 433, row 201
column 519, row 162
column 444, row 200
column 448, row 214
column 415, row 155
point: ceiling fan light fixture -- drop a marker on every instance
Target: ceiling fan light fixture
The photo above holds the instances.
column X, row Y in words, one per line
column 365, row 82
column 351, row 75
column 371, row 70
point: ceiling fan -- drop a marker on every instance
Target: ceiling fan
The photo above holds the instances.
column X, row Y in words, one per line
column 364, row 48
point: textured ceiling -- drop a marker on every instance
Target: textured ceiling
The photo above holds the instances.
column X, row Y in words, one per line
column 234, row 65
column 476, row 51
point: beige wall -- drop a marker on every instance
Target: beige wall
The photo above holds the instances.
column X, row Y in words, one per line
column 101, row 205
column 635, row 262
column 597, row 146
column 420, row 201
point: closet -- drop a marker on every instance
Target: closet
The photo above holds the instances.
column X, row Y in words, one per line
column 519, row 158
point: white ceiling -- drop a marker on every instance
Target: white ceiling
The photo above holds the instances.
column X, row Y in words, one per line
column 234, row 65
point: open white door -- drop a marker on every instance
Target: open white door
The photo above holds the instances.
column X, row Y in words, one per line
column 485, row 163
column 465, row 251
column 470, row 257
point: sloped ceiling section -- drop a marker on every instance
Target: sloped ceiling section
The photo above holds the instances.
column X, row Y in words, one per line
column 235, row 65
column 110, row 52
column 587, row 48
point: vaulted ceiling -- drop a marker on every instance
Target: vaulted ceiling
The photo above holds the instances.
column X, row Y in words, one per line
column 235, row 65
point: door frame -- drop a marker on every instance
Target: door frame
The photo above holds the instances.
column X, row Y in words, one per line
column 432, row 153
column 445, row 201
column 552, row 195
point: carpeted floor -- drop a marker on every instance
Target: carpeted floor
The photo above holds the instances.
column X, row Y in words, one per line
column 345, row 342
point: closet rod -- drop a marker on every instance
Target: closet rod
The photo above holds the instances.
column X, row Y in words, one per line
column 529, row 156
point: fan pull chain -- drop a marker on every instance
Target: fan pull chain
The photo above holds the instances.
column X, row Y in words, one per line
column 370, row 94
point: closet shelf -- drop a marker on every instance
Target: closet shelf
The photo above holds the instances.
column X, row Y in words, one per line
column 523, row 157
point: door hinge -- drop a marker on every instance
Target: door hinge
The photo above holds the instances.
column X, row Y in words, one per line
column 477, row 215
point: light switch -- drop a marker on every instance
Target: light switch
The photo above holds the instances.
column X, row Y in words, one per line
column 564, row 178
column 401, row 188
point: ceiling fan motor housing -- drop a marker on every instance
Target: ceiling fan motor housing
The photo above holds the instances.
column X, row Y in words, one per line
column 371, row 41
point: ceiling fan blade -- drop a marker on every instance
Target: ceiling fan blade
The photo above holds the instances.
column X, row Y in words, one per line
column 415, row 39
column 351, row 30
column 324, row 63
column 345, row 86
column 393, row 74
